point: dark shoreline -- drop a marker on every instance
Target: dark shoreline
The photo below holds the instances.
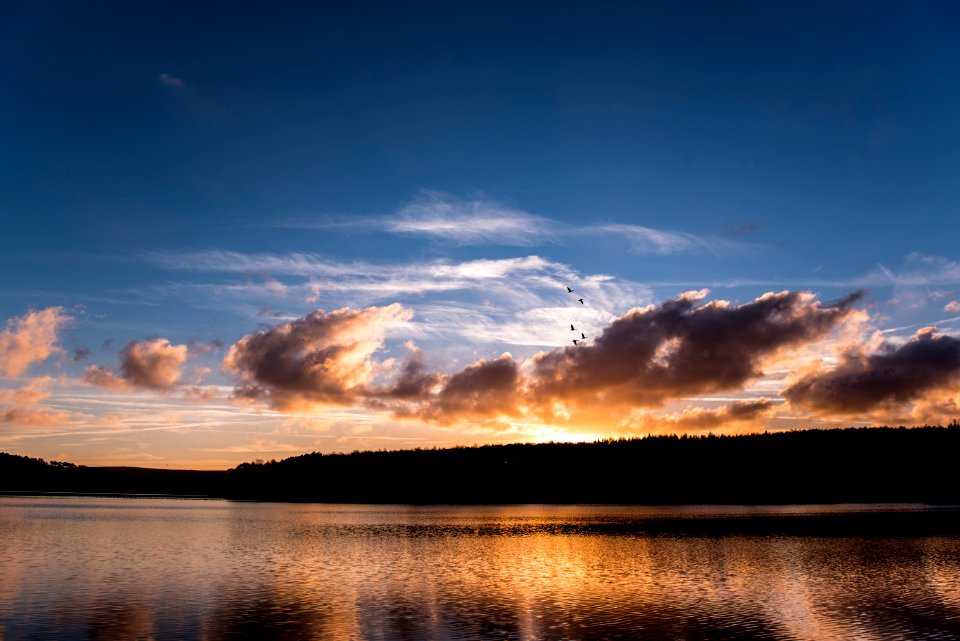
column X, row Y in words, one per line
column 109, row 495
column 854, row 465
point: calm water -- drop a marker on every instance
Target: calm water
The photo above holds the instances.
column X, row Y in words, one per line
column 78, row 568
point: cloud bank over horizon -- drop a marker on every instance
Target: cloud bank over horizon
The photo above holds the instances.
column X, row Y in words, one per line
column 648, row 357
column 686, row 364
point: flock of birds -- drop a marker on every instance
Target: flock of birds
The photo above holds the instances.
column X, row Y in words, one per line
column 583, row 337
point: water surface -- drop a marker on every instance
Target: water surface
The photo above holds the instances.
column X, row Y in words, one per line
column 98, row 568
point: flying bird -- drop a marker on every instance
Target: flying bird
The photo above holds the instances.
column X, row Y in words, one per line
column 583, row 336
column 569, row 291
column 575, row 341
column 581, row 300
column 572, row 328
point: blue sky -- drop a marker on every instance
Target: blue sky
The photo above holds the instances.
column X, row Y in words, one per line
column 201, row 173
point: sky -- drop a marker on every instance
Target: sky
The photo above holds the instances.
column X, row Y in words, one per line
column 242, row 231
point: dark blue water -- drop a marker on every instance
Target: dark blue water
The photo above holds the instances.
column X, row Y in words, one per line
column 89, row 568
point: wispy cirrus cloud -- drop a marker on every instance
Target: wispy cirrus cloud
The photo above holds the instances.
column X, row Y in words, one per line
column 920, row 270
column 484, row 221
column 170, row 80
column 309, row 264
column 647, row 240
column 513, row 301
column 915, row 271
column 471, row 222
column 509, row 282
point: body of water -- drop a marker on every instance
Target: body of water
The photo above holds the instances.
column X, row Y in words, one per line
column 112, row 568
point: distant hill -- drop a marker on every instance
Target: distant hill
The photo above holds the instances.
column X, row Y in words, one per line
column 23, row 474
column 879, row 464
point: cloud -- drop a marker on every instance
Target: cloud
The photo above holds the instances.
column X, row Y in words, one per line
column 199, row 393
column 644, row 358
column 274, row 286
column 308, row 264
column 170, row 80
column 323, row 358
column 681, row 347
column 892, row 376
column 30, row 339
column 523, row 281
column 19, row 406
column 415, row 380
column 953, row 306
column 152, row 363
column 102, row 376
column 508, row 301
column 917, row 270
column 200, row 348
column 30, row 394
column 738, row 415
column 646, row 240
column 483, row 221
column 486, row 389
column 313, row 293
column 32, row 416
column 735, row 413
column 469, row 222
column 80, row 353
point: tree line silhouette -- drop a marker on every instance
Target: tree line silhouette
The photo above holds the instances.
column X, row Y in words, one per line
column 877, row 464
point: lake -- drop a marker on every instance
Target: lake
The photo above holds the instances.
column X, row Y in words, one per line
column 115, row 568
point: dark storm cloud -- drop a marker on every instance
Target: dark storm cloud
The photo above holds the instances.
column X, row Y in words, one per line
column 415, row 379
column 322, row 358
column 681, row 347
column 646, row 357
column 893, row 375
column 485, row 389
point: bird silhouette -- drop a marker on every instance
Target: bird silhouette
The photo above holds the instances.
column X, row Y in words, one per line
column 575, row 341
column 569, row 291
column 581, row 300
column 572, row 328
column 583, row 336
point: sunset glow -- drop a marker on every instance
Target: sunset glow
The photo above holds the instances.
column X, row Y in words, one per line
column 235, row 249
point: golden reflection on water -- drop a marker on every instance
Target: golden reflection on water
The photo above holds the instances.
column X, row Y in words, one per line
column 113, row 568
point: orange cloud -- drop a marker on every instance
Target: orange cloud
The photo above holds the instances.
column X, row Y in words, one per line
column 323, row 358
column 644, row 358
column 32, row 416
column 735, row 416
column 32, row 393
column 152, row 363
column 682, row 348
column 198, row 393
column 20, row 405
column 105, row 377
column 483, row 390
column 891, row 377
column 415, row 380
column 30, row 339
